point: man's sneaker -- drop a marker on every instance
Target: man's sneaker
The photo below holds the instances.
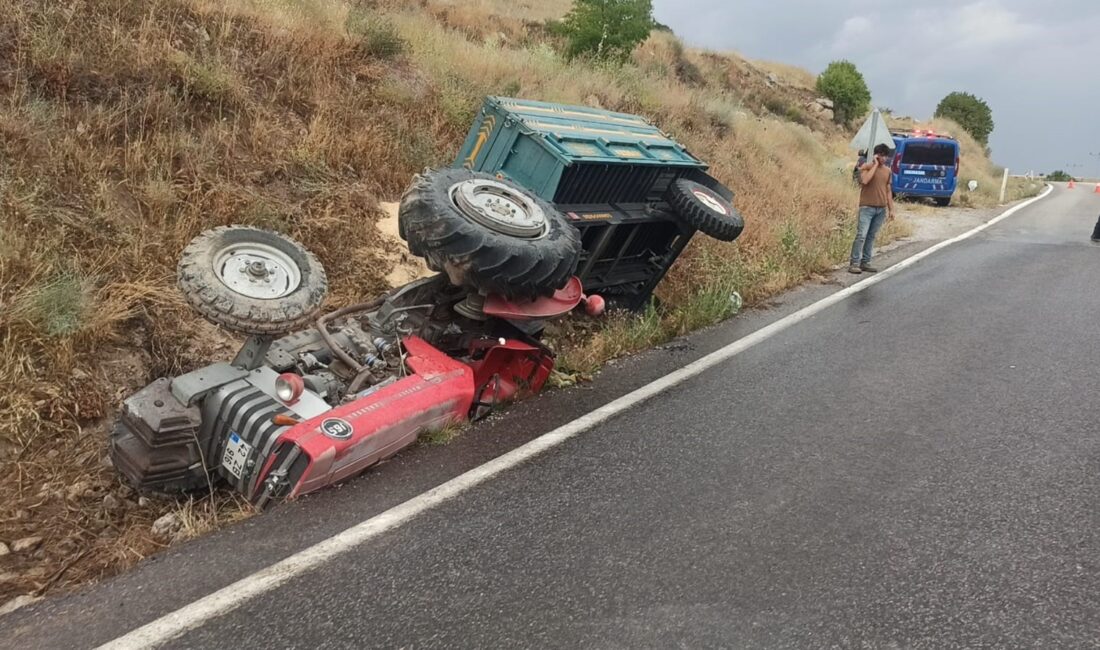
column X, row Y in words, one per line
column 854, row 268
column 867, row 268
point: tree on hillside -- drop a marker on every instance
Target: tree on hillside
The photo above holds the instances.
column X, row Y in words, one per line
column 970, row 112
column 608, row 30
column 843, row 83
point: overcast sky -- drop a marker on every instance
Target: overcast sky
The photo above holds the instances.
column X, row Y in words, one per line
column 1037, row 63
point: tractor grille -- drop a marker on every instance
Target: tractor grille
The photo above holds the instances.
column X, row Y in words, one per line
column 591, row 183
column 243, row 409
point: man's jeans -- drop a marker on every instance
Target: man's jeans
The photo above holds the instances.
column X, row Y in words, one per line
column 870, row 220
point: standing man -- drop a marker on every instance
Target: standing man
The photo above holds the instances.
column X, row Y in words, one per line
column 876, row 204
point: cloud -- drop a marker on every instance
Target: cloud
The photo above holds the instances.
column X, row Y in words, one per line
column 854, row 29
column 986, row 24
column 965, row 34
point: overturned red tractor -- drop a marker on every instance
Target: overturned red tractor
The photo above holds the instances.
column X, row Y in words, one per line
column 311, row 400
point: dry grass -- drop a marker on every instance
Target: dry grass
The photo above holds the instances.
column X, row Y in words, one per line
column 443, row 435
column 128, row 126
column 799, row 77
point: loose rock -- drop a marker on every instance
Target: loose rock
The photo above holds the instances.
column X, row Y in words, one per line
column 25, row 544
column 111, row 502
column 77, row 490
column 4, row 550
column 167, row 525
column 17, row 602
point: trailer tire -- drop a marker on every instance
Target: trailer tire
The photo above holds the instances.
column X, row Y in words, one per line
column 943, row 201
column 487, row 234
column 703, row 209
column 251, row 281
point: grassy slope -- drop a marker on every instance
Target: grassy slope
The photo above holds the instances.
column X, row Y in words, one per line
column 128, row 126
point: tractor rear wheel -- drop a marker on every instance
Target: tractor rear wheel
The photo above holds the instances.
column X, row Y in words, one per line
column 487, row 234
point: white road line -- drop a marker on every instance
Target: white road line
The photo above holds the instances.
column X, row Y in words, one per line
column 229, row 598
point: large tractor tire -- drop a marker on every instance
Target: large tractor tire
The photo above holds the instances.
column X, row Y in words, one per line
column 251, row 281
column 703, row 209
column 488, row 235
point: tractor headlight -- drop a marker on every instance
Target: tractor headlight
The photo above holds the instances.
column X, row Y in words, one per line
column 289, row 387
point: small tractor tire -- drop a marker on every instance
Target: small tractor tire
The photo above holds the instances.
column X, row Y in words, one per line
column 703, row 209
column 251, row 281
column 488, row 235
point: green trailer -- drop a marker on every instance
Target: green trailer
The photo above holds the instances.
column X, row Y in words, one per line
column 636, row 195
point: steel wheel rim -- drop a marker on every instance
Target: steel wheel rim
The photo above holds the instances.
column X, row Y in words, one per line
column 257, row 271
column 711, row 202
column 500, row 208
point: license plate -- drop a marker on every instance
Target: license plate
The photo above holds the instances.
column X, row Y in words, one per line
column 236, row 455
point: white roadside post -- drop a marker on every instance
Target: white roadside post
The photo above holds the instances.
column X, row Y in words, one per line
column 1004, row 185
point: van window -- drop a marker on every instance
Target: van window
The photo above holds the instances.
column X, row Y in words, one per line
column 929, row 153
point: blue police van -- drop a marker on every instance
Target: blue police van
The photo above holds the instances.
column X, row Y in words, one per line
column 925, row 164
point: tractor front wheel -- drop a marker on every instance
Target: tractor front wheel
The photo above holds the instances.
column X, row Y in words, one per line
column 251, row 281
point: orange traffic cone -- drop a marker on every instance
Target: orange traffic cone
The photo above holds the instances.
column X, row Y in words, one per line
column 1072, row 184
column 1097, row 190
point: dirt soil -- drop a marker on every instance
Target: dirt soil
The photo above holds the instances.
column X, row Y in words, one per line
column 934, row 223
column 406, row 266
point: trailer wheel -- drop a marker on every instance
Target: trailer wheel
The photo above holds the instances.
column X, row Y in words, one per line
column 251, row 281
column 703, row 209
column 944, row 201
column 487, row 234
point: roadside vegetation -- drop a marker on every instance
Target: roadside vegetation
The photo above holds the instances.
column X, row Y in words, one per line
column 969, row 112
column 844, row 84
column 605, row 30
column 129, row 126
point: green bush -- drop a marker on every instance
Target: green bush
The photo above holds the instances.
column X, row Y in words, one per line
column 607, row 30
column 1059, row 176
column 972, row 114
column 377, row 37
column 843, row 83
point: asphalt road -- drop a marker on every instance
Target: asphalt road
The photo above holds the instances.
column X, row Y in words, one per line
column 916, row 466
